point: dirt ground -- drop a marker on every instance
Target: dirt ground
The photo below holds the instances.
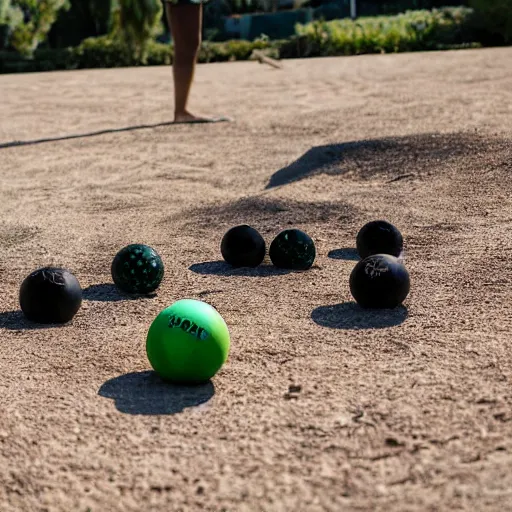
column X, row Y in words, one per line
column 408, row 410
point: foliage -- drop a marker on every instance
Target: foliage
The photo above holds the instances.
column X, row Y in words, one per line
column 10, row 17
column 38, row 20
column 101, row 13
column 230, row 50
column 5, row 7
column 85, row 18
column 494, row 16
column 110, row 52
column 136, row 23
column 42, row 60
column 414, row 30
column 422, row 30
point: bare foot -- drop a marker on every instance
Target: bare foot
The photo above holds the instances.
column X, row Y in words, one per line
column 187, row 117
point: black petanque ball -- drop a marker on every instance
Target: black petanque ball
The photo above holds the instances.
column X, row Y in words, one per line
column 50, row 295
column 379, row 237
column 379, row 281
column 292, row 249
column 137, row 269
column 243, row 246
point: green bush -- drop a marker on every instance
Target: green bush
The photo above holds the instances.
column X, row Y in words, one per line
column 42, row 60
column 109, row 52
column 230, row 50
column 102, row 52
column 5, row 7
column 11, row 17
column 29, row 34
column 414, row 30
column 419, row 30
column 494, row 17
column 135, row 24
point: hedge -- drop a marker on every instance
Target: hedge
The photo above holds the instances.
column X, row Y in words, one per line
column 104, row 52
column 415, row 30
column 412, row 31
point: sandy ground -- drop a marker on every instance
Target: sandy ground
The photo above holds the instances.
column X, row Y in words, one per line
column 407, row 410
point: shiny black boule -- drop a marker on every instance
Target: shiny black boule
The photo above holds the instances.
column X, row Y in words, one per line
column 292, row 249
column 243, row 246
column 380, row 281
column 379, row 237
column 50, row 295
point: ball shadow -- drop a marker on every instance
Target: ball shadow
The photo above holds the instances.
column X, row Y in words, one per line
column 349, row 315
column 108, row 292
column 221, row 268
column 145, row 393
column 17, row 321
column 345, row 253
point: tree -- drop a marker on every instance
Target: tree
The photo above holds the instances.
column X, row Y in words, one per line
column 136, row 23
column 10, row 18
column 39, row 17
column 85, row 18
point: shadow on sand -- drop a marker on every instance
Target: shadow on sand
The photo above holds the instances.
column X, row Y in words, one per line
column 350, row 315
column 16, row 143
column 387, row 157
column 346, row 253
column 107, row 292
column 17, row 321
column 221, row 268
column 146, row 393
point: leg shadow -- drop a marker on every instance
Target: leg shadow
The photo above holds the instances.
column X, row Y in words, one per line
column 17, row 321
column 346, row 253
column 349, row 315
column 108, row 292
column 221, row 268
column 16, row 143
column 146, row 393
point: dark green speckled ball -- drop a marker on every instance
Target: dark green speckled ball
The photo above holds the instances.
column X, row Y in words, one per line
column 137, row 269
column 292, row 249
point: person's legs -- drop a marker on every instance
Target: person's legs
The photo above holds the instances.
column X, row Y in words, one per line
column 185, row 22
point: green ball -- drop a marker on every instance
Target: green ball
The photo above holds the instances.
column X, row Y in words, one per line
column 137, row 269
column 188, row 342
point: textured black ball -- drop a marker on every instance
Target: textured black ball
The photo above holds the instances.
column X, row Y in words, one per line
column 292, row 249
column 379, row 237
column 137, row 269
column 243, row 246
column 379, row 281
column 50, row 295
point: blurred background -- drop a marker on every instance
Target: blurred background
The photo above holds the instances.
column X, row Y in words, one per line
column 69, row 34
